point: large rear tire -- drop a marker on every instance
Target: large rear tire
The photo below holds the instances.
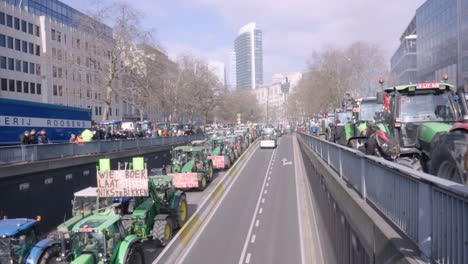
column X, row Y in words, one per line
column 163, row 231
column 202, row 183
column 135, row 256
column 210, row 171
column 50, row 255
column 449, row 157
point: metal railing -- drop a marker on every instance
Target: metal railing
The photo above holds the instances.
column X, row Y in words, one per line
column 431, row 211
column 31, row 153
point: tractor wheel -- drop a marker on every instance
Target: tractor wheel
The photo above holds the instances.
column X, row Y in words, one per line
column 162, row 231
column 202, row 183
column 210, row 171
column 228, row 164
column 412, row 163
column 182, row 211
column 449, row 157
column 135, row 255
column 50, row 255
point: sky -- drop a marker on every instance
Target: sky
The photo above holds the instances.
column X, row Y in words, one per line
column 292, row 29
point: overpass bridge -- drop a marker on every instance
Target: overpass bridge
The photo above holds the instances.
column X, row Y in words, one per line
column 312, row 201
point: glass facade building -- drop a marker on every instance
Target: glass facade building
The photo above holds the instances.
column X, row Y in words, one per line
column 404, row 61
column 59, row 12
column 437, row 27
column 249, row 57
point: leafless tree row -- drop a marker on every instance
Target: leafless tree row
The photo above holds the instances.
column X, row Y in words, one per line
column 334, row 72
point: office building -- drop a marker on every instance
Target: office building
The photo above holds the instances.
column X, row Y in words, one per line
column 404, row 63
column 45, row 57
column 230, row 73
column 249, row 57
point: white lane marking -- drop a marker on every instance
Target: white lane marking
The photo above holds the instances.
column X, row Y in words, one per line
column 257, row 223
column 253, row 238
column 246, row 243
column 265, row 191
column 267, row 184
column 263, row 200
column 247, row 260
column 207, row 220
column 261, row 210
column 268, row 177
column 270, row 172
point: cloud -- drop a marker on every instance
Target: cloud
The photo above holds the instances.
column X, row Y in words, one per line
column 293, row 29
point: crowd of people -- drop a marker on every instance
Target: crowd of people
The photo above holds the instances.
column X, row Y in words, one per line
column 32, row 138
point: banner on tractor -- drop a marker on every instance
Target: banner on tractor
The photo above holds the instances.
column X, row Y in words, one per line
column 218, row 161
column 185, row 180
column 122, row 183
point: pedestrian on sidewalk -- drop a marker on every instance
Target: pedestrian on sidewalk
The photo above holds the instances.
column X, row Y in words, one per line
column 25, row 138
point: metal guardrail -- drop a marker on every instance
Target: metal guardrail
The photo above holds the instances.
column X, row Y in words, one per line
column 30, row 153
column 431, row 211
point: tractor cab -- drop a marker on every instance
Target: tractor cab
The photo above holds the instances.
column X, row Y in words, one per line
column 368, row 108
column 87, row 200
column 417, row 112
column 17, row 238
column 186, row 158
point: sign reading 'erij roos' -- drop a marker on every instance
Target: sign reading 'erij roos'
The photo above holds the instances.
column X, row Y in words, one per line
column 24, row 121
column 121, row 183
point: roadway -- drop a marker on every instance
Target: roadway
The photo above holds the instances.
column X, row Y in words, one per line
column 257, row 220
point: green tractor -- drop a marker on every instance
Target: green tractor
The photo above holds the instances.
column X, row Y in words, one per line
column 429, row 121
column 235, row 144
column 101, row 239
column 222, row 155
column 158, row 216
column 191, row 167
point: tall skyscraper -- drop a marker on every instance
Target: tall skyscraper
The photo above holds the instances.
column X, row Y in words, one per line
column 230, row 71
column 249, row 57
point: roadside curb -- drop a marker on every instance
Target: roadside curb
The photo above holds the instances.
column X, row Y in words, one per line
column 180, row 241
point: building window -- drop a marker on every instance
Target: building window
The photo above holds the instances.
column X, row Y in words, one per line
column 2, row 18
column 78, row 43
column 78, row 60
column 11, row 85
column 52, row 34
column 59, row 54
column 31, row 48
column 18, row 44
column 2, row 40
column 4, row 84
column 18, row 65
column 54, row 53
column 10, row 42
column 88, row 93
column 100, row 110
column 38, row 88
column 38, row 50
column 17, row 23
column 38, row 29
column 3, row 62
column 110, row 111
column 33, row 88
column 60, row 71
column 11, row 64
column 25, row 67
column 26, row 87
column 54, row 71
column 30, row 28
column 19, row 86
column 24, row 26
column 9, row 21
column 32, row 68
column 96, row 110
column 55, row 90
column 60, row 90
column 59, row 36
column 38, row 69
column 25, row 46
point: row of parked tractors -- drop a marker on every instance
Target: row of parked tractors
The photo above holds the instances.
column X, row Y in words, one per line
column 113, row 229
column 422, row 126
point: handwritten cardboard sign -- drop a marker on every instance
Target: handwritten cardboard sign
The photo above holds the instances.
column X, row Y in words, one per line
column 185, row 180
column 122, row 183
column 218, row 161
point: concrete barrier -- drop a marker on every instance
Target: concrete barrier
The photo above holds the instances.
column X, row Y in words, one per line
column 381, row 242
column 180, row 241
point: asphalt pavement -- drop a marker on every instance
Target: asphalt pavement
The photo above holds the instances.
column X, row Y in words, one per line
column 257, row 220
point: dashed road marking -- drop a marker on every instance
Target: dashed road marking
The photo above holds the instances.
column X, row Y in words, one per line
column 253, row 239
column 260, row 211
column 267, row 184
column 257, row 223
column 266, row 191
column 247, row 260
column 263, row 200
